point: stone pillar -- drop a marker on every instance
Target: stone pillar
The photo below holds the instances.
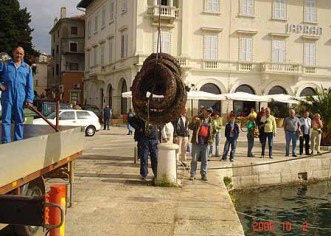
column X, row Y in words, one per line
column 167, row 165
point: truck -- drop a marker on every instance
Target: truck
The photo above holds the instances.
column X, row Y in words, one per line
column 25, row 165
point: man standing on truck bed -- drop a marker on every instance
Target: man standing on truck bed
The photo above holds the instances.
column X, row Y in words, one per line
column 16, row 84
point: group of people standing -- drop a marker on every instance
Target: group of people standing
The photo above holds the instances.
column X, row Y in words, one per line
column 295, row 128
column 206, row 128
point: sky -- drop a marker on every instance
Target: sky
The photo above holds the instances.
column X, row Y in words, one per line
column 43, row 13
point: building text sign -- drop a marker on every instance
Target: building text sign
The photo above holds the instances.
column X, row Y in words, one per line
column 304, row 29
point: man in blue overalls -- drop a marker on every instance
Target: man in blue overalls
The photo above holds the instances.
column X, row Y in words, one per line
column 16, row 84
column 147, row 144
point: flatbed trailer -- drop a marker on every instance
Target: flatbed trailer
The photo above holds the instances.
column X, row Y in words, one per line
column 25, row 164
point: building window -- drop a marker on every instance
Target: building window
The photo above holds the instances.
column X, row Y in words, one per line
column 310, row 11
column 247, row 7
column 310, row 54
column 73, row 66
column 95, row 56
column 246, row 49
column 212, row 5
column 124, row 44
column 96, row 23
column 57, row 69
column 124, row 6
column 278, row 51
column 210, row 47
column 162, row 2
column 308, row 91
column 52, row 52
column 89, row 28
column 88, row 59
column 102, row 54
column 103, row 17
column 111, row 51
column 57, row 48
column 279, row 9
column 74, row 30
column 165, row 42
column 74, row 97
column 112, row 10
column 73, row 47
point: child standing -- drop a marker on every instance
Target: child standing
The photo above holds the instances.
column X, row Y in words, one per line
column 231, row 134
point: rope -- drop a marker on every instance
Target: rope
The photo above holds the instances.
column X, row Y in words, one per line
column 158, row 45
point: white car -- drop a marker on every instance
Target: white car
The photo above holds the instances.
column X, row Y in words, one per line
column 87, row 119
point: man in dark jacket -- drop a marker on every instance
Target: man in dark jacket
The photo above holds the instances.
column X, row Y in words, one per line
column 231, row 134
column 106, row 117
column 147, row 137
column 181, row 133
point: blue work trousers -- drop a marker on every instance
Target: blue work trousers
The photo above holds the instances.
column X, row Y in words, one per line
column 148, row 146
column 291, row 136
column 13, row 110
column 199, row 150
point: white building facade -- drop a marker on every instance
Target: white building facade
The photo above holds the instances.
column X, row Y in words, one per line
column 256, row 46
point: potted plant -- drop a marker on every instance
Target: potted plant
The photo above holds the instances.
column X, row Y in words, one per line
column 280, row 111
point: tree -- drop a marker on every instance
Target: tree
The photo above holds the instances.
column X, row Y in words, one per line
column 321, row 104
column 15, row 29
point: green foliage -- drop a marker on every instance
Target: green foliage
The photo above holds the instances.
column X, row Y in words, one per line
column 279, row 109
column 321, row 104
column 228, row 182
column 15, row 29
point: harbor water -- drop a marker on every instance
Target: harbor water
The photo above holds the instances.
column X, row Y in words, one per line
column 290, row 210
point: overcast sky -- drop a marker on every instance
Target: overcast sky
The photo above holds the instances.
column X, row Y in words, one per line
column 43, row 13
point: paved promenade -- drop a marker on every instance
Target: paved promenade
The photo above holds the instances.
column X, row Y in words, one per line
column 110, row 198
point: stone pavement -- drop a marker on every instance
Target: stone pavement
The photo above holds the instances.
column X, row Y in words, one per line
column 110, row 198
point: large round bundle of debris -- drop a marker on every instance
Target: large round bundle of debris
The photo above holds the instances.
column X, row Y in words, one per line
column 160, row 75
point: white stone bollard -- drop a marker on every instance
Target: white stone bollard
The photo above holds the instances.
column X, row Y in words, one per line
column 167, row 165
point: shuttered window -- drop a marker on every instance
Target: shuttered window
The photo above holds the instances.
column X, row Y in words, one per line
column 111, row 10
column 247, row 7
column 124, row 45
column 278, row 51
column 102, row 54
column 310, row 11
column 111, row 57
column 165, row 41
column 212, row 5
column 279, row 9
column 246, row 49
column 210, row 47
column 310, row 54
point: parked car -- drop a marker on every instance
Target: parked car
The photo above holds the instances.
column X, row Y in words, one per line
column 93, row 108
column 87, row 119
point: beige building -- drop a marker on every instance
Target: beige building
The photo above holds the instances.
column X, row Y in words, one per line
column 257, row 46
column 41, row 74
column 68, row 59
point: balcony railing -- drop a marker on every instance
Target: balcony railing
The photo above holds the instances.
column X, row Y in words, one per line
column 281, row 67
column 245, row 66
column 164, row 12
column 310, row 69
column 211, row 65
